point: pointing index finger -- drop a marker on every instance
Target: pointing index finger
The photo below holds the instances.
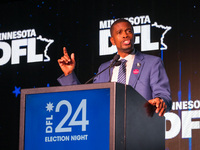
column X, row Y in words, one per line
column 66, row 56
column 65, row 52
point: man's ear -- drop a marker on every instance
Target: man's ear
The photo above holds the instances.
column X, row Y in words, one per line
column 112, row 41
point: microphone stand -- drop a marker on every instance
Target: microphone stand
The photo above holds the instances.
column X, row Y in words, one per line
column 96, row 75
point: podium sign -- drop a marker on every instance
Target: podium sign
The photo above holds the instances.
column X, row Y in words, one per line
column 65, row 119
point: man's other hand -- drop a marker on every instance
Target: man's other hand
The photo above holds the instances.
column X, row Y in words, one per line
column 159, row 104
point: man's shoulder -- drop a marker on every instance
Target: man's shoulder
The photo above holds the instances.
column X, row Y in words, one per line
column 105, row 64
column 147, row 57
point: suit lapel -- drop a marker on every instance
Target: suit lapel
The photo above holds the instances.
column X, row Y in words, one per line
column 136, row 69
column 111, row 72
column 106, row 73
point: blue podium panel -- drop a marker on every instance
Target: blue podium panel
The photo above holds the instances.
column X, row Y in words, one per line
column 71, row 120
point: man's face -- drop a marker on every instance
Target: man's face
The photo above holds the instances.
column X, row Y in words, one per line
column 123, row 37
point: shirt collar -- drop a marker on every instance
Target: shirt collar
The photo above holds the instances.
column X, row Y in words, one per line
column 130, row 56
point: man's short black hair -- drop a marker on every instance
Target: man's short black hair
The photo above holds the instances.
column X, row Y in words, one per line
column 118, row 21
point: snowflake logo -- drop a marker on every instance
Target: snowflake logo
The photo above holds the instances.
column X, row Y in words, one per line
column 49, row 107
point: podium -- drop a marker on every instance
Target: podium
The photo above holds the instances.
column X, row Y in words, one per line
column 103, row 116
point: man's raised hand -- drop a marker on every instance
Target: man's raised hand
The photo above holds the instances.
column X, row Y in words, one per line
column 66, row 63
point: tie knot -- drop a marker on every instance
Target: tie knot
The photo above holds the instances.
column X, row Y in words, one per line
column 123, row 61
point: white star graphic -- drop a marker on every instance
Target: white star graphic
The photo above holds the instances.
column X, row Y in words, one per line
column 49, row 107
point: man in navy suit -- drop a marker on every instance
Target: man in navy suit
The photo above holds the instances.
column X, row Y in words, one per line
column 145, row 73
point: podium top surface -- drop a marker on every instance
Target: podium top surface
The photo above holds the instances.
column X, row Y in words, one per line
column 111, row 85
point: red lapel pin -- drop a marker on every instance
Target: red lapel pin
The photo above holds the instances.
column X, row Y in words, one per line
column 135, row 71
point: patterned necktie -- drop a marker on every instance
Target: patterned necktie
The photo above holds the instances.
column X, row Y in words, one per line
column 122, row 72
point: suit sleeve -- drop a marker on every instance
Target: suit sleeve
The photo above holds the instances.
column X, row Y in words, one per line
column 70, row 79
column 97, row 78
column 159, row 83
column 103, row 76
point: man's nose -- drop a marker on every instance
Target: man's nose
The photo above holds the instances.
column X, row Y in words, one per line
column 125, row 35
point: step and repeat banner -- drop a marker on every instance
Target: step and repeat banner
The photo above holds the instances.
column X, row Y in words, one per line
column 33, row 33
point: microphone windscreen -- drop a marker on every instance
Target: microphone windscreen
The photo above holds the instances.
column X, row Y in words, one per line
column 117, row 63
column 116, row 57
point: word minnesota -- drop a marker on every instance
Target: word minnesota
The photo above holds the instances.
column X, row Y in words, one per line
column 17, row 34
column 66, row 138
column 22, row 43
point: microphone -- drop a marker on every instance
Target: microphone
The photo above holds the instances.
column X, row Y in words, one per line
column 115, row 62
column 115, row 59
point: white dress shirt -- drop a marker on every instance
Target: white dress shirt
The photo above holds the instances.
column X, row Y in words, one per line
column 129, row 64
